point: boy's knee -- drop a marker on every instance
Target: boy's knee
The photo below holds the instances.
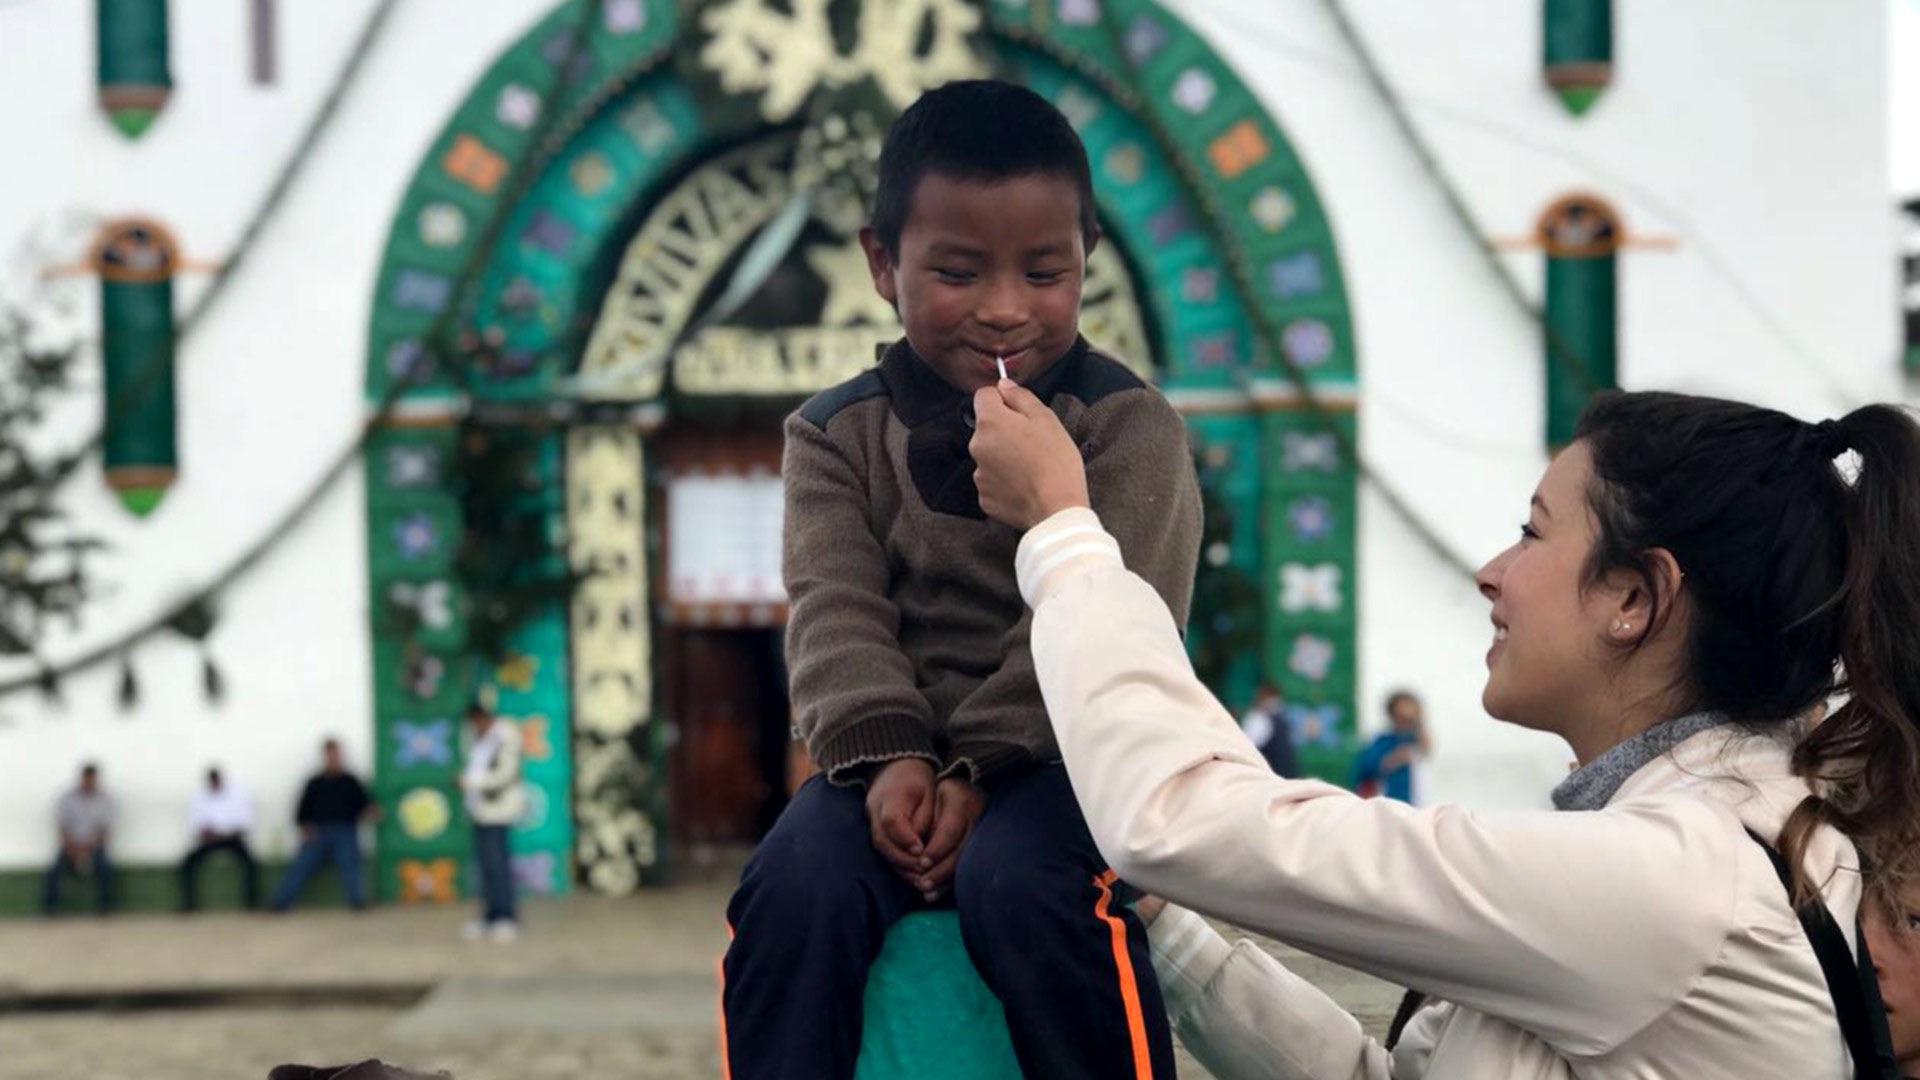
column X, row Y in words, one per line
column 1012, row 889
column 806, row 876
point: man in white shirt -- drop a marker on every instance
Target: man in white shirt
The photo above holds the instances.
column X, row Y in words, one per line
column 219, row 819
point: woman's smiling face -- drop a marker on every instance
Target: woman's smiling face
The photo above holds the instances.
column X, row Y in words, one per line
column 1550, row 632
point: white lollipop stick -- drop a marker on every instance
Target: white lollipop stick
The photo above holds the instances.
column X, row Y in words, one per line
column 1001, row 362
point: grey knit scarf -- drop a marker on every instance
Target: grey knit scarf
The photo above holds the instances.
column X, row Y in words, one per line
column 1591, row 785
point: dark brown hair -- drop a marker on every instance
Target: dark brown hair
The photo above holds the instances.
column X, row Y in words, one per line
column 1801, row 583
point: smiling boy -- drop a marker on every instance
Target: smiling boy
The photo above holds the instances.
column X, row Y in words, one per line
column 912, row 680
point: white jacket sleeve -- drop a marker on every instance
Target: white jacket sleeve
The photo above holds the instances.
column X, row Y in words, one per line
column 1246, row 1017
column 1581, row 928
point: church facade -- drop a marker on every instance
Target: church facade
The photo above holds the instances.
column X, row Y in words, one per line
column 546, row 279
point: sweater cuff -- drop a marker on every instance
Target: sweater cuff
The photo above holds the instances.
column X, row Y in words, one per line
column 873, row 741
column 983, row 763
column 1068, row 543
column 1187, row 954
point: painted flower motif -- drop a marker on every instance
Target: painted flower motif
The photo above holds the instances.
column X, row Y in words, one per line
column 426, row 742
column 624, row 16
column 1272, row 209
column 1194, row 90
column 415, row 537
column 1297, row 275
column 1311, row 657
column 417, row 290
column 535, row 739
column 1200, row 285
column 1080, row 12
column 1216, row 350
column 1169, row 224
column 534, row 813
column 1311, row 518
column 423, row 675
column 1315, row 725
column 648, row 126
column 412, row 466
column 432, row 601
column 423, row 813
column 442, row 225
column 1310, row 452
column 1310, row 587
column 1307, row 342
column 517, row 670
column 590, row 173
column 534, row 871
column 426, row 880
column 1126, row 163
column 518, row 106
column 408, row 358
column 1145, row 38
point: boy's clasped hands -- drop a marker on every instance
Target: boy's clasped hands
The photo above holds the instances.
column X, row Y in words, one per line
column 918, row 825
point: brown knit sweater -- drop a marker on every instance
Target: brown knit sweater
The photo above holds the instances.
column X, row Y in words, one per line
column 907, row 636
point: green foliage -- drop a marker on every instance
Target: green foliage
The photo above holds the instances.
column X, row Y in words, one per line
column 43, row 571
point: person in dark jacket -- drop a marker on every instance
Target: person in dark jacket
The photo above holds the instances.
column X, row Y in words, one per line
column 332, row 805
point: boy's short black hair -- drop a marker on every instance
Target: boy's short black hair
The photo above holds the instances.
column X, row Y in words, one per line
column 980, row 130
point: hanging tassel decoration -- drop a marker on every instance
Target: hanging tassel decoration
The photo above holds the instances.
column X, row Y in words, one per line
column 49, row 685
column 212, row 683
column 129, row 685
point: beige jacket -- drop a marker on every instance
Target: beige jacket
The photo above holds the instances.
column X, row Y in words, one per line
column 1651, row 939
column 493, row 789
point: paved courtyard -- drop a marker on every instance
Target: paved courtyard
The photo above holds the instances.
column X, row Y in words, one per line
column 595, row 987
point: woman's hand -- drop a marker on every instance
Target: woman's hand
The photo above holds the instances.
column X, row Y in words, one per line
column 1149, row 908
column 1025, row 463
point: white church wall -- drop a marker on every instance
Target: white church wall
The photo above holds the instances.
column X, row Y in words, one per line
column 270, row 391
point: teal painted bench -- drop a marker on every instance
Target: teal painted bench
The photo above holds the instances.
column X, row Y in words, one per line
column 928, row 1015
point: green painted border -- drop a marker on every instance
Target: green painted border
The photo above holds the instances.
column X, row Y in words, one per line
column 146, row 888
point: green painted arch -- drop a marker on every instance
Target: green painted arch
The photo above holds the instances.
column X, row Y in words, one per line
column 1163, row 117
column 1219, row 220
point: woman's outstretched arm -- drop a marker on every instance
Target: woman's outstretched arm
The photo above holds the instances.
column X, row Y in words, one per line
column 1579, row 927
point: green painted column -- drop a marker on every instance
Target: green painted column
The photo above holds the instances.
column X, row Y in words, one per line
column 137, row 353
column 1582, row 315
column 1577, row 38
column 135, row 78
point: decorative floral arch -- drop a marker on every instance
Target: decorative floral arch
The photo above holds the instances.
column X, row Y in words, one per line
column 1220, row 228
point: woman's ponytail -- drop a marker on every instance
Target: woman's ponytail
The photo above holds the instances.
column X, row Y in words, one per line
column 1865, row 758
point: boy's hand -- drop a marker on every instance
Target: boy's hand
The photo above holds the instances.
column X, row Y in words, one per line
column 899, row 813
column 1025, row 464
column 956, row 806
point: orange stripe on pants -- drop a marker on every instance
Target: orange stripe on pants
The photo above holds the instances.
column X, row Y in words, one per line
column 1129, row 990
column 720, row 966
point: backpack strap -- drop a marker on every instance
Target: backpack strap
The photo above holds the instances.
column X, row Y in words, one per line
column 1402, row 1016
column 1851, row 982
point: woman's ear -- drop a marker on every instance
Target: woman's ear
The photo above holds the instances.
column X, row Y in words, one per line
column 1646, row 604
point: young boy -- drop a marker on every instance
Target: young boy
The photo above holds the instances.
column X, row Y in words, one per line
column 907, row 640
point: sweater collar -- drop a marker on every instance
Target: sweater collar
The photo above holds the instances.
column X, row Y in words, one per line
column 1594, row 784
column 919, row 394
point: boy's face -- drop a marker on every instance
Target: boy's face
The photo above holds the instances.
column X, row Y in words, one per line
column 986, row 270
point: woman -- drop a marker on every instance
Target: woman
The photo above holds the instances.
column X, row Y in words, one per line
column 1689, row 574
